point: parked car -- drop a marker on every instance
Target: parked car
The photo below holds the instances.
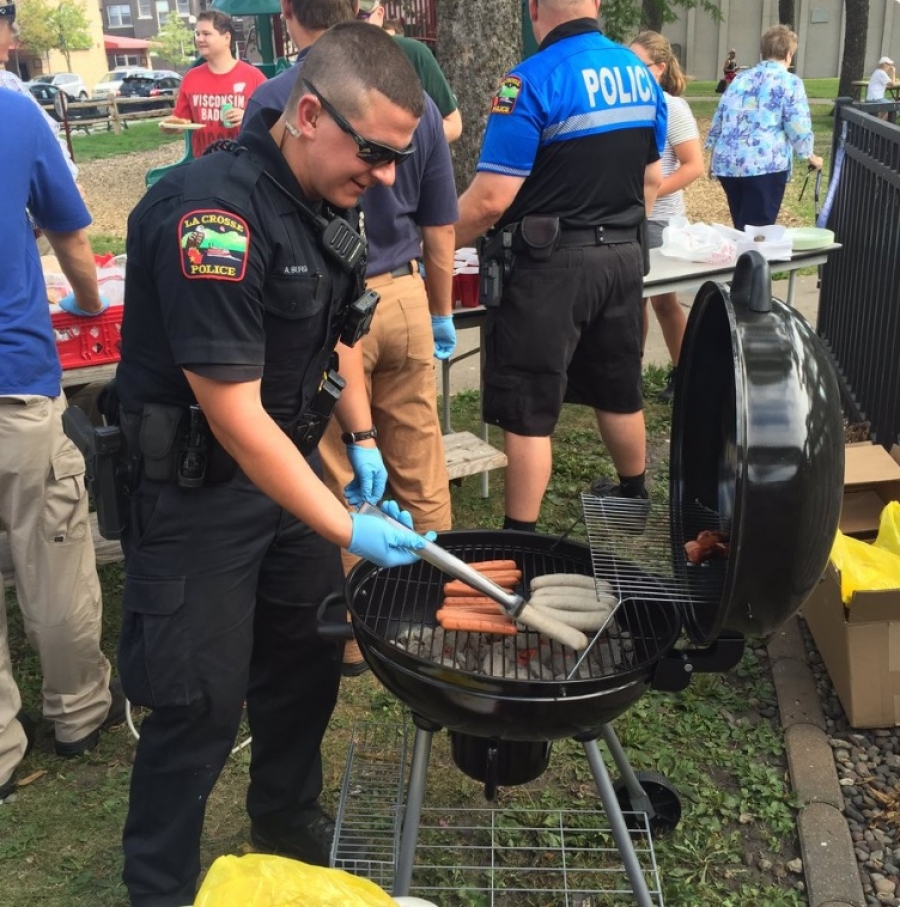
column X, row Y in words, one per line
column 112, row 81
column 52, row 99
column 71, row 83
column 160, row 88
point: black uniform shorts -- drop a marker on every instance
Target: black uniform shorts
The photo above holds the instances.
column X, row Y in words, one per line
column 567, row 330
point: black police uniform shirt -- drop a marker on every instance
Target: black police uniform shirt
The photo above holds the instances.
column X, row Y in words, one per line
column 224, row 277
column 580, row 120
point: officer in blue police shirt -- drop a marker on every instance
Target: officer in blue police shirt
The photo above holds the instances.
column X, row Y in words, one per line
column 240, row 279
column 568, row 169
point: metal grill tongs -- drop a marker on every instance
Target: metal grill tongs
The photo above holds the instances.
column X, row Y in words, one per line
column 568, row 611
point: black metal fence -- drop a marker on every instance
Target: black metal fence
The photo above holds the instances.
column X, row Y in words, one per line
column 859, row 303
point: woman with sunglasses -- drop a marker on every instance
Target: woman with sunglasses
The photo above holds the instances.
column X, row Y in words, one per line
column 682, row 163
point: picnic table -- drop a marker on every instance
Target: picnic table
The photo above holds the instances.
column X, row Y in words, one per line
column 862, row 85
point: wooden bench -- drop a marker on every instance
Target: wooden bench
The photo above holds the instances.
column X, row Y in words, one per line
column 465, row 453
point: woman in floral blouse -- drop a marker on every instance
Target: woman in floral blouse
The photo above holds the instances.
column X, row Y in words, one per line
column 760, row 123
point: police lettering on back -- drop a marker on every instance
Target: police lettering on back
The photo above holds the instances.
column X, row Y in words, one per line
column 618, row 88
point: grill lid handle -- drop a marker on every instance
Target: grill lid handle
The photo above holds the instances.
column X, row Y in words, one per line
column 752, row 284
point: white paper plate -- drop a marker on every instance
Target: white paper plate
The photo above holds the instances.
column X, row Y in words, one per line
column 804, row 239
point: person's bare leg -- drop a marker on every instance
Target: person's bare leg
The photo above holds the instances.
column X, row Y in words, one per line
column 625, row 437
column 529, row 462
column 672, row 321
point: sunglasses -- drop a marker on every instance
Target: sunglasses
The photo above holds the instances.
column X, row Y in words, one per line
column 8, row 12
column 373, row 153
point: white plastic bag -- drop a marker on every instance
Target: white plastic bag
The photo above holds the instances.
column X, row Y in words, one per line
column 697, row 242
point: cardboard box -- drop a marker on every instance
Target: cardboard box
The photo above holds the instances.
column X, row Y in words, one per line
column 860, row 643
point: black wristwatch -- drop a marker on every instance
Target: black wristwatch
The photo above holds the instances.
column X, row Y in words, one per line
column 351, row 437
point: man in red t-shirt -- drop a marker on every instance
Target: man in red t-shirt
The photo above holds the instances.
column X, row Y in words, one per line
column 214, row 94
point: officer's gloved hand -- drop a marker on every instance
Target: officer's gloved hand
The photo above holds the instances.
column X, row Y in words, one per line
column 381, row 542
column 392, row 509
column 68, row 304
column 444, row 335
column 369, row 475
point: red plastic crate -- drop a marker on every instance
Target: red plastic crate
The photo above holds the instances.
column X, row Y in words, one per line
column 88, row 341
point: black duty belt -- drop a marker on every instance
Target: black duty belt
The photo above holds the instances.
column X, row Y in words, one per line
column 598, row 236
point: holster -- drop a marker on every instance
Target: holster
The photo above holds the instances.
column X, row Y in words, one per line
column 539, row 236
column 307, row 429
column 495, row 262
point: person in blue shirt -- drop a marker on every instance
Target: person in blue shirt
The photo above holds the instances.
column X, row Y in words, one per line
column 760, row 123
column 43, row 501
column 569, row 166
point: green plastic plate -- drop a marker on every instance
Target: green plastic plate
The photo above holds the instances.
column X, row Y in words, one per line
column 803, row 239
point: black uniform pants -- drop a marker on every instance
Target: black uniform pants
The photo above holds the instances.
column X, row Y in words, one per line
column 220, row 601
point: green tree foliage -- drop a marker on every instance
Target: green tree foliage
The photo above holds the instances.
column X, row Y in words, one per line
column 61, row 26
column 174, row 41
column 623, row 18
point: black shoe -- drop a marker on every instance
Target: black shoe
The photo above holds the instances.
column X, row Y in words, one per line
column 310, row 842
column 29, row 726
column 116, row 715
column 667, row 394
column 625, row 513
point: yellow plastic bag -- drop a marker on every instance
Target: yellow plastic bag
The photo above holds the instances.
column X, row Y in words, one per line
column 865, row 567
column 889, row 528
column 260, row 880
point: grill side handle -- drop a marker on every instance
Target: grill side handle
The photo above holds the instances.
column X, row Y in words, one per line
column 674, row 670
column 329, row 627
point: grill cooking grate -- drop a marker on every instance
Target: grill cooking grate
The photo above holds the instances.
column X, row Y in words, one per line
column 639, row 548
column 399, row 605
column 492, row 857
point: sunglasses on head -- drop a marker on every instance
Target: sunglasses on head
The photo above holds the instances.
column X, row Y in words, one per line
column 8, row 12
column 373, row 153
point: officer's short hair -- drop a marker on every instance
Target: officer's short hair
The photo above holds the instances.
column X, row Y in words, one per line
column 317, row 15
column 352, row 59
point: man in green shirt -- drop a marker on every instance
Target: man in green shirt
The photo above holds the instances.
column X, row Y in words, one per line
column 426, row 66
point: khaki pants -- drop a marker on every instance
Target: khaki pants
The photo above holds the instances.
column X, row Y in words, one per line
column 43, row 505
column 399, row 366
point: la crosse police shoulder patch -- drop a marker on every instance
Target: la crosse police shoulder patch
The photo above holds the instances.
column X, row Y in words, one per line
column 507, row 95
column 213, row 245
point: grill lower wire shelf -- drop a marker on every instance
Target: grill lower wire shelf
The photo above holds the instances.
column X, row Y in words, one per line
column 480, row 856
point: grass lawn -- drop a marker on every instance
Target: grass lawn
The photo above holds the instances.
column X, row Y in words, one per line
column 815, row 88
column 144, row 135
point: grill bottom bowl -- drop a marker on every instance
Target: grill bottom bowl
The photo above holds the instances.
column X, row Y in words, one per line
column 383, row 602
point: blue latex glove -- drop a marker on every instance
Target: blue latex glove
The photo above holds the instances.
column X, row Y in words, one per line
column 380, row 542
column 68, row 304
column 392, row 509
column 369, row 475
column 444, row 335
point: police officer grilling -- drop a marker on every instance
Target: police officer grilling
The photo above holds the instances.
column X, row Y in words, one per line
column 231, row 540
column 568, row 169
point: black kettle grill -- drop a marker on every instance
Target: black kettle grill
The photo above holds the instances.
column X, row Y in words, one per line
column 756, row 456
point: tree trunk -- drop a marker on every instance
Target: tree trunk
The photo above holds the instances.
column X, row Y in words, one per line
column 652, row 16
column 854, row 57
column 786, row 13
column 478, row 42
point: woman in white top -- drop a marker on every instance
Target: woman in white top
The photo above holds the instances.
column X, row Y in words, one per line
column 682, row 163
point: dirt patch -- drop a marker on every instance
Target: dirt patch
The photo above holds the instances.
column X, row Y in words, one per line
column 113, row 186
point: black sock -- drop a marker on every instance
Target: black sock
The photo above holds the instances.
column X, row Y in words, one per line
column 633, row 486
column 520, row 525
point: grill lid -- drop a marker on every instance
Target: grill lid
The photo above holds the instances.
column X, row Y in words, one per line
column 757, row 451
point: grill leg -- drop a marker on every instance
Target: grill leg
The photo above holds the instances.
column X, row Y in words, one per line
column 617, row 822
column 415, row 796
column 636, row 794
